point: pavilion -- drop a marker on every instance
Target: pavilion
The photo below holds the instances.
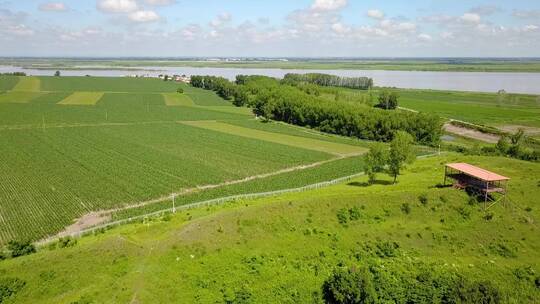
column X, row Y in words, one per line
column 480, row 181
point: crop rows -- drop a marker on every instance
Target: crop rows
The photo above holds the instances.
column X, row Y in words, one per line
column 53, row 176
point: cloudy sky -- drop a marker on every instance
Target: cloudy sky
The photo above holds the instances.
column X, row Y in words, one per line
column 274, row 28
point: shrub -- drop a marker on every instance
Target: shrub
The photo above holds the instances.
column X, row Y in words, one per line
column 386, row 249
column 464, row 291
column 342, row 216
column 423, row 199
column 20, row 248
column 9, row 287
column 349, row 286
column 405, row 208
column 180, row 91
column 354, row 213
column 67, row 241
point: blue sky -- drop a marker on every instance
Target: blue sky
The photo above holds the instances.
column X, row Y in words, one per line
column 278, row 28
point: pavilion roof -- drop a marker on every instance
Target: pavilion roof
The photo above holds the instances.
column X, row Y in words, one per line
column 476, row 172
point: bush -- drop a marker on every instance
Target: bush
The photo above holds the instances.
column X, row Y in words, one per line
column 423, row 199
column 9, row 287
column 342, row 216
column 67, row 241
column 20, row 248
column 354, row 213
column 464, row 291
column 180, row 91
column 349, row 286
column 405, row 208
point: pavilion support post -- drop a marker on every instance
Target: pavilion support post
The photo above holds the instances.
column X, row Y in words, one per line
column 445, row 174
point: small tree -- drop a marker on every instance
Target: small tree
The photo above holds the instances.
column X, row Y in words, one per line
column 388, row 100
column 180, row 91
column 20, row 248
column 376, row 159
column 503, row 145
column 350, row 286
column 401, row 153
column 57, row 73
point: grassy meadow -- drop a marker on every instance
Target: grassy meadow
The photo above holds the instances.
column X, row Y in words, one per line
column 82, row 144
column 231, row 253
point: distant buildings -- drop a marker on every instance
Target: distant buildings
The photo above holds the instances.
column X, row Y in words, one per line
column 165, row 77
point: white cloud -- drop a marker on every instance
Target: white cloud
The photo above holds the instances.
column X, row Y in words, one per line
column 144, row 16
column 328, row 5
column 160, row 2
column 424, row 37
column 117, row 6
column 20, row 30
column 340, row 28
column 375, row 14
column 530, row 28
column 221, row 19
column 485, row 10
column 526, row 14
column 53, row 7
column 471, row 18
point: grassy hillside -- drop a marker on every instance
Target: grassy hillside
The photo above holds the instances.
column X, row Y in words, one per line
column 282, row 249
column 85, row 144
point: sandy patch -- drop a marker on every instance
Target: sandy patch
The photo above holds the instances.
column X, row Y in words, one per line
column 471, row 133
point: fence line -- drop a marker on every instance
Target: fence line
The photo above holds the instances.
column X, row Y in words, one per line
column 211, row 202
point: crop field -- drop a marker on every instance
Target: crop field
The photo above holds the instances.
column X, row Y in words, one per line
column 19, row 97
column 27, row 84
column 84, row 144
column 296, row 141
column 82, row 98
column 174, row 99
column 219, row 253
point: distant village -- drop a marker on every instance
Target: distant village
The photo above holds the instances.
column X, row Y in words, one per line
column 165, row 77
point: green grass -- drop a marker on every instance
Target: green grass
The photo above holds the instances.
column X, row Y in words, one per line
column 82, row 99
column 482, row 108
column 203, row 97
column 295, row 141
column 281, row 249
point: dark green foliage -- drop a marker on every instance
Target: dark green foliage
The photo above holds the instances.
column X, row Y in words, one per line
column 386, row 249
column 405, row 208
column 397, row 282
column 423, row 199
column 376, row 159
column 180, row 91
column 66, row 242
column 354, row 213
column 20, row 248
column 502, row 249
column 342, row 216
column 401, row 153
column 293, row 105
column 362, row 83
column 9, row 288
column 349, row 286
column 388, row 100
column 57, row 73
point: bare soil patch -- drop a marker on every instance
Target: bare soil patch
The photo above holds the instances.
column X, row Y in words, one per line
column 471, row 133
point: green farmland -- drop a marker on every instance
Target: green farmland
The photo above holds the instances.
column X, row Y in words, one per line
column 231, row 253
column 87, row 144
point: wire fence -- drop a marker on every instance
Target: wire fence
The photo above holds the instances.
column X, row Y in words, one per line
column 207, row 203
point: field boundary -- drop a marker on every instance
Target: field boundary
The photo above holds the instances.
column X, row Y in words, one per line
column 210, row 202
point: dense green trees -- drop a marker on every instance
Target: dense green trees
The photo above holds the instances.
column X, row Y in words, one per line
column 326, row 80
column 301, row 106
column 376, row 160
column 20, row 248
column 394, row 282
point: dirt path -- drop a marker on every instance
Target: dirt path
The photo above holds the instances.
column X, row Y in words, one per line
column 471, row 133
column 100, row 217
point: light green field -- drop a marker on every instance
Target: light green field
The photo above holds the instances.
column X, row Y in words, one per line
column 82, row 98
column 175, row 99
column 19, row 97
column 281, row 249
column 28, row 84
column 295, row 141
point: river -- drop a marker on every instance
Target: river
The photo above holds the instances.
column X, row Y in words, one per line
column 526, row 83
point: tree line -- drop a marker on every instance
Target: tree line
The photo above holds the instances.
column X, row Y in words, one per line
column 272, row 99
column 326, row 80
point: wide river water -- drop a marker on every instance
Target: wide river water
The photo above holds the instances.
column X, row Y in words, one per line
column 527, row 83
